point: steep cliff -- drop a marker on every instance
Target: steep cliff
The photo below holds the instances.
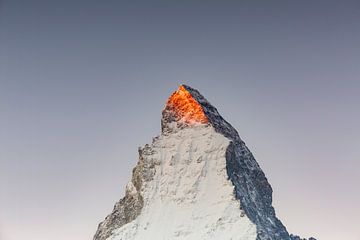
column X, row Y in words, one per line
column 197, row 180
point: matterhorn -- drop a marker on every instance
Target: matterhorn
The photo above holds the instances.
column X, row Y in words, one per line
column 197, row 180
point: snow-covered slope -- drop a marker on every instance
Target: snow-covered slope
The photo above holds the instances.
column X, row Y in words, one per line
column 197, row 180
column 190, row 196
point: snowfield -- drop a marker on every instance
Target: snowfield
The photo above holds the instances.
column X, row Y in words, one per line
column 190, row 196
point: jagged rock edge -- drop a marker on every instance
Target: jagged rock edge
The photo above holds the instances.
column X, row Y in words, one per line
column 239, row 163
column 243, row 170
column 130, row 206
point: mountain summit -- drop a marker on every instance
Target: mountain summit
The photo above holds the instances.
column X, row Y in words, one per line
column 183, row 108
column 196, row 181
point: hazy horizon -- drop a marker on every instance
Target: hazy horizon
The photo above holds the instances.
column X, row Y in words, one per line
column 83, row 84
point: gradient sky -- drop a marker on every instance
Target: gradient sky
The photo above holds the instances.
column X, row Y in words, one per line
column 83, row 83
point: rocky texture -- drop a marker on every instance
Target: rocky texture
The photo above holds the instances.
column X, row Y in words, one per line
column 190, row 196
column 129, row 207
column 182, row 110
column 295, row 237
column 251, row 187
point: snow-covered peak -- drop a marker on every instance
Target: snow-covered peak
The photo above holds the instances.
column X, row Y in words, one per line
column 197, row 180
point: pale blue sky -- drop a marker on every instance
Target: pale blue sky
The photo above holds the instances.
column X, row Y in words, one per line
column 83, row 83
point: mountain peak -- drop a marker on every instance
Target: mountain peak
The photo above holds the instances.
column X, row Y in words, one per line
column 183, row 109
column 187, row 107
column 195, row 182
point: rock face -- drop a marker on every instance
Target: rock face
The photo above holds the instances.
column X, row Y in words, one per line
column 197, row 180
column 129, row 207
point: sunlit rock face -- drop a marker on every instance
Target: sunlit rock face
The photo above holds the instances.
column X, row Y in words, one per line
column 197, row 180
column 182, row 110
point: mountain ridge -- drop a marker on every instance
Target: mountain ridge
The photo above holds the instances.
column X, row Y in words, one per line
column 186, row 110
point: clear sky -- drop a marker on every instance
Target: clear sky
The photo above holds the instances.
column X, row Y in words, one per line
column 83, row 83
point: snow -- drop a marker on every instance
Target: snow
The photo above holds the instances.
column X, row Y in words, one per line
column 190, row 196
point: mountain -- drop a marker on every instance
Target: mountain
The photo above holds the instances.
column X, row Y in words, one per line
column 197, row 180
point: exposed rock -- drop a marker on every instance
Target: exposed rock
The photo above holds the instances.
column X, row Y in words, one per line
column 129, row 207
column 187, row 108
